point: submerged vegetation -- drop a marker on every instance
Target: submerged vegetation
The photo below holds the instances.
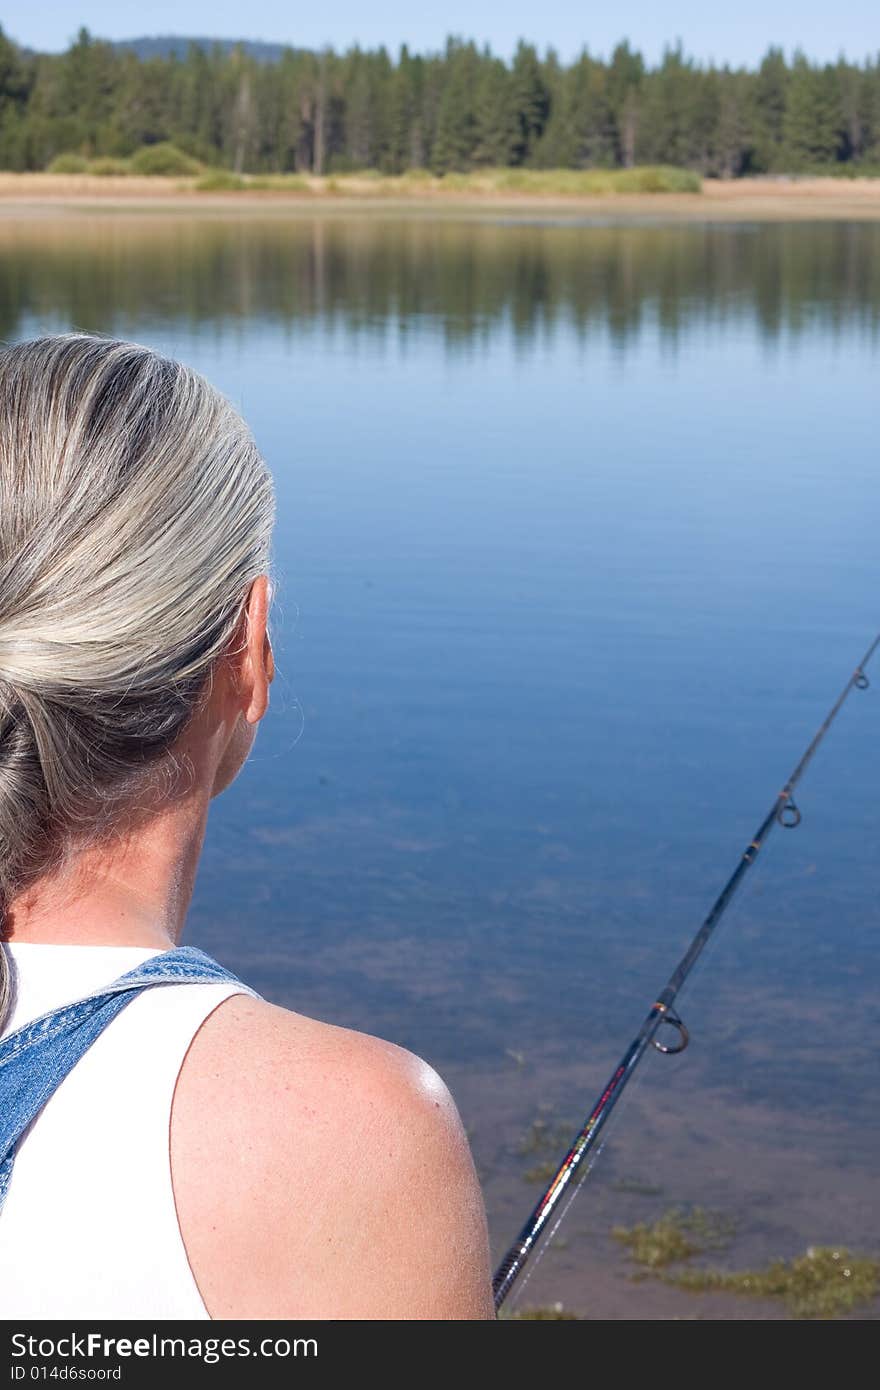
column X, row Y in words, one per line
column 554, row 1313
column 545, row 1140
column 822, row 1283
column 276, row 110
column 636, row 1187
column 678, row 1235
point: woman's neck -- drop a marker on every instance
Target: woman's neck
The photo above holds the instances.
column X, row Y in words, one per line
column 138, row 894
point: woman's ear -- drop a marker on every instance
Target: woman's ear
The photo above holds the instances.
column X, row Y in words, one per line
column 260, row 659
column 269, row 659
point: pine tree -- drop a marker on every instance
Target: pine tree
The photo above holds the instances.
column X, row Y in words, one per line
column 853, row 126
column 768, row 103
column 456, row 135
column 14, row 76
column 625, row 78
column 812, row 129
column 869, row 108
column 496, row 126
column 592, row 117
column 15, row 82
column 241, row 128
column 557, row 147
column 733, row 144
column 673, row 128
column 531, row 101
column 401, row 113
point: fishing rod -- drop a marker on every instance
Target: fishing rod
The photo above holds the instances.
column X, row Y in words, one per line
column 783, row 812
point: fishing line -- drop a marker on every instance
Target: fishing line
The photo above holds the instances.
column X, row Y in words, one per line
column 785, row 812
column 636, row 1088
column 550, row 1236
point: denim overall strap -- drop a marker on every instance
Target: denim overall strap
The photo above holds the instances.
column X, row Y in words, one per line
column 35, row 1059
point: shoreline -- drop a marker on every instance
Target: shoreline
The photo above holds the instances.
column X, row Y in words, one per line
column 745, row 200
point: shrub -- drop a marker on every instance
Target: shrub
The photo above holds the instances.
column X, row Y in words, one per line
column 280, row 183
column 68, row 163
column 163, row 158
column 591, row 182
column 108, row 167
column 220, row 181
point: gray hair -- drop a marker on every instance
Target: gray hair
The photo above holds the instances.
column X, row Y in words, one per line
column 135, row 513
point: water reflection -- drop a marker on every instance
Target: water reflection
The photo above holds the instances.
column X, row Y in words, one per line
column 468, row 281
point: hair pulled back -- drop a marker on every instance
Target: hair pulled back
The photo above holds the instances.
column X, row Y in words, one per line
column 135, row 513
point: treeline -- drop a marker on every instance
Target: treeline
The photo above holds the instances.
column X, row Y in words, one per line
column 462, row 109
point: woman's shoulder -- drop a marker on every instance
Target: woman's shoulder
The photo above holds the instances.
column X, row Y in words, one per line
column 323, row 1172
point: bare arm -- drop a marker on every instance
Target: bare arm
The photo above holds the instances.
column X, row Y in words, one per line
column 320, row 1173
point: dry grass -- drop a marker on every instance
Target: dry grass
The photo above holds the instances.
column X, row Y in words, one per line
column 776, row 199
column 60, row 187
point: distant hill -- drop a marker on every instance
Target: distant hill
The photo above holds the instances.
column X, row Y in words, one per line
column 164, row 45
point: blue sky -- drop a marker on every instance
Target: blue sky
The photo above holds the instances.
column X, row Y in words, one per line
column 733, row 33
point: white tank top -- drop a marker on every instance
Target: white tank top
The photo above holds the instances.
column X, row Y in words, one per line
column 89, row 1228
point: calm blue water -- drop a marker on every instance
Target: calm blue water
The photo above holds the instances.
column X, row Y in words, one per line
column 576, row 546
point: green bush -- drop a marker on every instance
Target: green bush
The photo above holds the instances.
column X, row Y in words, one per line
column 660, row 178
column 588, row 182
column 163, row 158
column 279, row 183
column 220, row 181
column 225, row 181
column 107, row 167
column 68, row 163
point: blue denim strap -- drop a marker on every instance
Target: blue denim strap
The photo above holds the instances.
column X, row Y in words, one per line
column 35, row 1059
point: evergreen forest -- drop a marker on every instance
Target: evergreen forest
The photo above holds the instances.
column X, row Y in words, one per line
column 461, row 109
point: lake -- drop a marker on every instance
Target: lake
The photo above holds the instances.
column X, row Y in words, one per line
column 574, row 548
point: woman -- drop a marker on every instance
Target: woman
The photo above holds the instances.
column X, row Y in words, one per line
column 209, row 1154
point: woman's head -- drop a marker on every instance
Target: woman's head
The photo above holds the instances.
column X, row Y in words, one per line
column 135, row 516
